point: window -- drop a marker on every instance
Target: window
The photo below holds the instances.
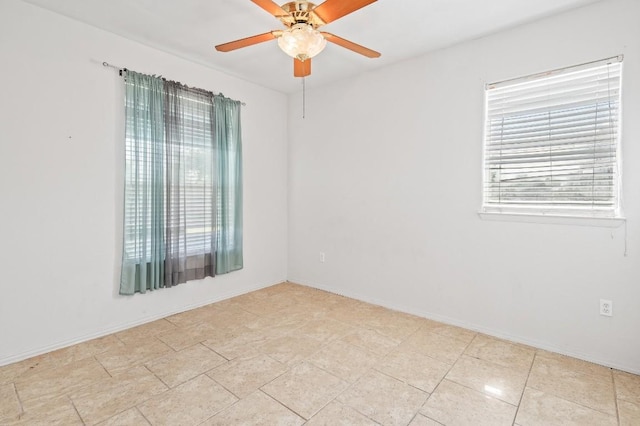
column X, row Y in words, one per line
column 191, row 157
column 183, row 184
column 552, row 143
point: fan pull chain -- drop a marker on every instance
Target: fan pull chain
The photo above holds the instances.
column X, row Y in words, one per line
column 304, row 98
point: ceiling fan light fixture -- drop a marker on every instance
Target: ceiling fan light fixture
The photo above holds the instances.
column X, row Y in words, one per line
column 302, row 41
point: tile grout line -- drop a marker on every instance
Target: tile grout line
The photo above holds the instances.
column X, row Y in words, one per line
column 68, row 393
column 426, row 417
column 76, row 409
column 359, row 328
column 162, row 381
column 140, row 402
column 535, row 354
column 615, row 396
column 215, row 352
column 358, row 325
column 495, row 365
column 220, row 384
column 572, row 402
column 225, row 408
column 21, row 406
column 268, row 395
column 410, row 385
column 349, row 387
column 154, row 375
column 587, row 374
column 556, row 357
column 256, row 390
column 373, row 368
column 288, row 368
column 120, row 412
column 135, row 407
column 414, row 417
column 435, row 421
column 447, row 373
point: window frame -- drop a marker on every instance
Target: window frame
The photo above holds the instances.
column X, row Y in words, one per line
column 543, row 212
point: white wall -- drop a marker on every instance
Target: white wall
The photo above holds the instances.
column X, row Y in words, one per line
column 385, row 178
column 61, row 168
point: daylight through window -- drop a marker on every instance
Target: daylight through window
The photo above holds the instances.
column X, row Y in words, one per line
column 552, row 143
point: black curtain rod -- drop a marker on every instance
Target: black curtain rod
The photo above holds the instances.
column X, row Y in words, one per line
column 120, row 73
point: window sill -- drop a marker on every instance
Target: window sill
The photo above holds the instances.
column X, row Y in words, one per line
column 604, row 222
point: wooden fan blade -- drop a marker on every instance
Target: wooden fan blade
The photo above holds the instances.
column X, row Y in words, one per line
column 271, row 7
column 351, row 45
column 301, row 68
column 244, row 42
column 331, row 10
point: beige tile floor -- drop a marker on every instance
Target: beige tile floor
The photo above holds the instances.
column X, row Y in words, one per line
column 292, row 355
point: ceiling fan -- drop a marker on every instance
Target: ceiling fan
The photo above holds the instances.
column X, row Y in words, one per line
column 301, row 39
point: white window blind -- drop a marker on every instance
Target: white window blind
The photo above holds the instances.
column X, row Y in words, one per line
column 195, row 162
column 191, row 162
column 552, row 142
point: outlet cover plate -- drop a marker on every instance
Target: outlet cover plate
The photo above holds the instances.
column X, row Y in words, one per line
column 606, row 307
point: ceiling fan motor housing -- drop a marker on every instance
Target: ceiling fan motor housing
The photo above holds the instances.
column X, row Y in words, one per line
column 302, row 13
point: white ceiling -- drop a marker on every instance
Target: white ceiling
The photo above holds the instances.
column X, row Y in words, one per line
column 399, row 29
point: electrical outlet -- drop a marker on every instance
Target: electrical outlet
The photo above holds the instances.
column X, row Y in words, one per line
column 322, row 256
column 606, row 307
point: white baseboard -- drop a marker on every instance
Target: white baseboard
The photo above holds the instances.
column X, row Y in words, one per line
column 485, row 330
column 125, row 326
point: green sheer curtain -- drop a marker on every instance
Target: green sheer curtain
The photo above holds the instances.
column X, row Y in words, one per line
column 144, row 221
column 183, row 184
column 228, row 140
